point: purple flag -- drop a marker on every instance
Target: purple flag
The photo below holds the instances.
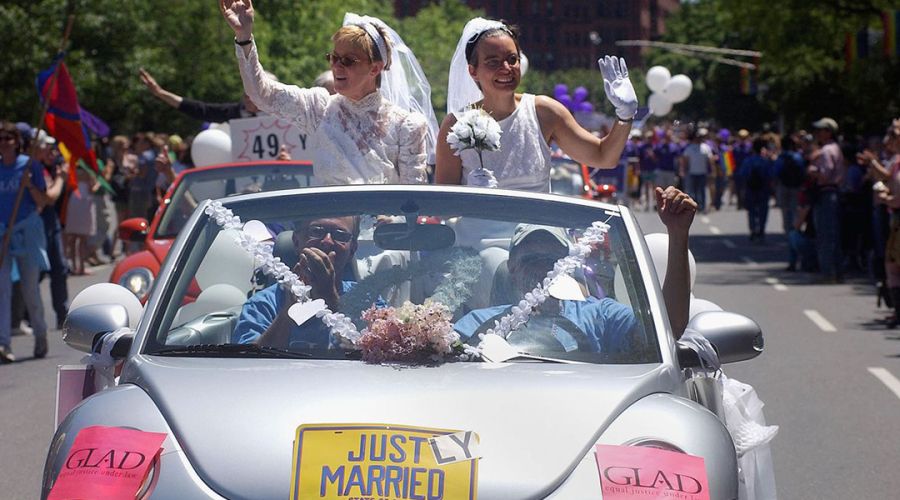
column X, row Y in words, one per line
column 94, row 124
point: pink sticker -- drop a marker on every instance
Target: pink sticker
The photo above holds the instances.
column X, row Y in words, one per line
column 641, row 472
column 107, row 462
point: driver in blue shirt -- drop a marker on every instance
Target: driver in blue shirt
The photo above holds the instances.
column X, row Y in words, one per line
column 324, row 246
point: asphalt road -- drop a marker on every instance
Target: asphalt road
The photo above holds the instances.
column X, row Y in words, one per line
column 828, row 376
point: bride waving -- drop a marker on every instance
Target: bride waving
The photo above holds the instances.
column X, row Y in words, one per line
column 376, row 128
column 485, row 72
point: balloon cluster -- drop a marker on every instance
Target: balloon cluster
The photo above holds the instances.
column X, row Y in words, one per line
column 667, row 89
column 576, row 102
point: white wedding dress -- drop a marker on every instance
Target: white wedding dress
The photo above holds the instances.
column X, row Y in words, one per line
column 523, row 161
column 369, row 141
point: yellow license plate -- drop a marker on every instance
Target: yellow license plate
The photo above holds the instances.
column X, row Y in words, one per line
column 378, row 462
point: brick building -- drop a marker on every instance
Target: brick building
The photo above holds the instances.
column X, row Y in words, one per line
column 560, row 34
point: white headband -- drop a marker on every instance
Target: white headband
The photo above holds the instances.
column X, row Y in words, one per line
column 368, row 25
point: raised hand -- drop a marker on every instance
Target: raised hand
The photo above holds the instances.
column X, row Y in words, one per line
column 239, row 15
column 618, row 87
column 676, row 210
column 149, row 82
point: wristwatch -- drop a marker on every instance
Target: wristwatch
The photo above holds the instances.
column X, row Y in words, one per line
column 245, row 42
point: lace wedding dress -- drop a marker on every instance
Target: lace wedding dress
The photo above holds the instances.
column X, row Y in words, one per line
column 369, row 141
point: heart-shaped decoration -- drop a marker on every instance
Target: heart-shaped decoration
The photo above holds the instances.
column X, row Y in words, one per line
column 301, row 312
column 565, row 287
column 257, row 230
column 496, row 349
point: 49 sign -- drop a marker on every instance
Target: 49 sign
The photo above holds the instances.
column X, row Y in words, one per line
column 261, row 138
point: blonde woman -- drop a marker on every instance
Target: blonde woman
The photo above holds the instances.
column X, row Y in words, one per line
column 372, row 130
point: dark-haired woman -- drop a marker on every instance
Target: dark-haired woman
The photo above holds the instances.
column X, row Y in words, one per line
column 485, row 72
column 374, row 129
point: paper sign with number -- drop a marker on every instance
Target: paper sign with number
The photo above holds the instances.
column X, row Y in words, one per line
column 644, row 472
column 344, row 461
column 261, row 138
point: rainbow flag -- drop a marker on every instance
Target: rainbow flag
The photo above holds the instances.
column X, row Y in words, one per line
column 727, row 160
column 891, row 21
column 856, row 47
column 63, row 120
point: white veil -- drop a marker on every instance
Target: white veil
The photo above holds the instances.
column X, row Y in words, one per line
column 404, row 84
column 461, row 89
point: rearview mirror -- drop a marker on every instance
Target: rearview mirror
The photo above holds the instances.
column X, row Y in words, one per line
column 134, row 229
column 735, row 337
column 403, row 236
column 85, row 327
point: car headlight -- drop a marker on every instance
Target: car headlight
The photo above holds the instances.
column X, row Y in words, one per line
column 137, row 281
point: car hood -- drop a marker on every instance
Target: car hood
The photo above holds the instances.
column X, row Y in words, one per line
column 237, row 419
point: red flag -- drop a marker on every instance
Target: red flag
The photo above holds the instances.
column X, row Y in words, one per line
column 63, row 120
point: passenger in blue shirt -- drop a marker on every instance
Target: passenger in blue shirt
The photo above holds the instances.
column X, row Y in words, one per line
column 589, row 325
column 324, row 246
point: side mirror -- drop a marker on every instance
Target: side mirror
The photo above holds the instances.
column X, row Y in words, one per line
column 134, row 229
column 402, row 236
column 735, row 337
column 85, row 327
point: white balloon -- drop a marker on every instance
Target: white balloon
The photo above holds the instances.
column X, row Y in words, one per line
column 658, row 244
column 224, row 127
column 210, row 147
column 226, row 263
column 657, row 78
column 110, row 293
column 659, row 105
column 678, row 89
column 701, row 305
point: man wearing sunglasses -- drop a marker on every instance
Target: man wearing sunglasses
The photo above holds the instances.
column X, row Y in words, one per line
column 324, row 248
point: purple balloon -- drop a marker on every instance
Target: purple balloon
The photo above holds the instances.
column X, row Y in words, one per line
column 586, row 107
column 566, row 100
column 560, row 90
column 580, row 95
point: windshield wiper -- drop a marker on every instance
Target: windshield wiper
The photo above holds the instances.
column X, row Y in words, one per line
column 230, row 351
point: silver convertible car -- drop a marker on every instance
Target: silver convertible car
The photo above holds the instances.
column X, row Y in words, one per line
column 401, row 342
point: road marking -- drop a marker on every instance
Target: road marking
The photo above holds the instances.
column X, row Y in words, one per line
column 776, row 284
column 714, row 230
column 819, row 320
column 704, row 219
column 748, row 260
column 729, row 244
column 887, row 378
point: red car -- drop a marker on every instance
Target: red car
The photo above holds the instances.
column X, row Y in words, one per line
column 138, row 271
column 570, row 178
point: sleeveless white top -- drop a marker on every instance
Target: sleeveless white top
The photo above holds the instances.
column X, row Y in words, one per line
column 369, row 141
column 523, row 161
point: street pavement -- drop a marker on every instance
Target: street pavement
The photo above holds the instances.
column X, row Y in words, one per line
column 829, row 374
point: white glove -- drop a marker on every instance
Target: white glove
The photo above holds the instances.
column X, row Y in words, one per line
column 481, row 177
column 618, row 87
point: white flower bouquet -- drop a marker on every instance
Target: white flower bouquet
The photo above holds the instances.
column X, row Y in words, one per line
column 476, row 129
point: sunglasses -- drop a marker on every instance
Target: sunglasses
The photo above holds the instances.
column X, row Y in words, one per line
column 345, row 61
column 319, row 233
column 493, row 63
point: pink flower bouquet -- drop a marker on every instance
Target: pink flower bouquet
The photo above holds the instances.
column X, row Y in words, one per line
column 409, row 334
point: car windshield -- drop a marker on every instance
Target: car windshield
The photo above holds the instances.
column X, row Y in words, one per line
column 565, row 177
column 213, row 183
column 418, row 259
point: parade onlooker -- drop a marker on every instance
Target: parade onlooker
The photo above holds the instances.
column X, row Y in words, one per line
column 123, row 164
column 667, row 153
column 27, row 244
column 790, row 174
column 827, row 168
column 742, row 148
column 81, row 220
column 142, row 181
column 649, row 164
column 697, row 162
column 204, row 111
column 55, row 178
column 802, row 233
column 756, row 171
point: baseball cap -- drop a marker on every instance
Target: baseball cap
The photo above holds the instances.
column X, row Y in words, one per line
column 523, row 231
column 825, row 123
column 45, row 139
column 743, row 133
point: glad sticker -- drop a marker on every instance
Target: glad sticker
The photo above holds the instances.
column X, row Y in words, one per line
column 107, row 462
column 641, row 472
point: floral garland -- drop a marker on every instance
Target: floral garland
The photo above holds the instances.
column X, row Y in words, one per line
column 579, row 251
column 346, row 332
